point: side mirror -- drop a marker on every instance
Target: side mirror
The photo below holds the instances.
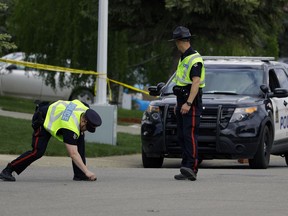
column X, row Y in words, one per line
column 264, row 89
column 155, row 90
column 280, row 92
column 160, row 86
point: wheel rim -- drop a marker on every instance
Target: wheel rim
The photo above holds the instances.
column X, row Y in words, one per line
column 266, row 147
column 85, row 97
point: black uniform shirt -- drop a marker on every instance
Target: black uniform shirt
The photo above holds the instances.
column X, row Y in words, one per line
column 196, row 68
column 69, row 136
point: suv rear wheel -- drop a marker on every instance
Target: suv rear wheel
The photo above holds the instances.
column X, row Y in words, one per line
column 151, row 162
column 83, row 95
column 262, row 157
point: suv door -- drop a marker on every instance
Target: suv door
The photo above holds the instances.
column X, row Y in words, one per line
column 278, row 79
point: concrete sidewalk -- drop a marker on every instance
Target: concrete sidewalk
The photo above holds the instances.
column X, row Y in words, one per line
column 131, row 129
column 124, row 161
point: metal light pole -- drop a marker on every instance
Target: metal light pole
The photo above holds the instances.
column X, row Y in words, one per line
column 107, row 132
column 101, row 97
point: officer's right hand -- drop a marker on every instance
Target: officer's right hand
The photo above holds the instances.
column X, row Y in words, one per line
column 91, row 176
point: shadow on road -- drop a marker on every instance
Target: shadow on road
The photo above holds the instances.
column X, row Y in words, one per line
column 276, row 162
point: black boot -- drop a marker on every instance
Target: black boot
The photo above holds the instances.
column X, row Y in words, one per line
column 180, row 177
column 189, row 173
column 6, row 174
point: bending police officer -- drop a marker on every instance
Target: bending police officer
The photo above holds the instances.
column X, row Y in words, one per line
column 66, row 121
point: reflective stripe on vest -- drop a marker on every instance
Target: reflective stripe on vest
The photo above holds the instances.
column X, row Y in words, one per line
column 64, row 114
column 182, row 77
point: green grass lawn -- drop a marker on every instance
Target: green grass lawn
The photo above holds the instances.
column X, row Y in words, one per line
column 15, row 134
column 28, row 106
column 17, row 104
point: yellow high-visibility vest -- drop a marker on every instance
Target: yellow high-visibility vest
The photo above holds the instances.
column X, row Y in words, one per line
column 64, row 115
column 182, row 77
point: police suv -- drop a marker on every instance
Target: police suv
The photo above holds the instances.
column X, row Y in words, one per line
column 245, row 114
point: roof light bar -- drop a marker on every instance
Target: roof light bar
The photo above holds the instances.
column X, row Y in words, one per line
column 239, row 58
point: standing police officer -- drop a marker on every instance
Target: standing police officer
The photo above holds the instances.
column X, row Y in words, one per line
column 66, row 121
column 189, row 79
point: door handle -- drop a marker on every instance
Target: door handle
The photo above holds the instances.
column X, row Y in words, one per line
column 285, row 103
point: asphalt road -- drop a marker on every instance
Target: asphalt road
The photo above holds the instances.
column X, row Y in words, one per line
column 224, row 187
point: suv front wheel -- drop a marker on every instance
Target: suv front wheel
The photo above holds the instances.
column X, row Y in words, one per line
column 151, row 162
column 286, row 158
column 262, row 157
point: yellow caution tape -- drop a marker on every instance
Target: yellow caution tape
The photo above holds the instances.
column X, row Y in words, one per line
column 77, row 71
column 48, row 67
column 128, row 86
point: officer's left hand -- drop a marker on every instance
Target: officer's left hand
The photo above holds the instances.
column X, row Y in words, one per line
column 184, row 109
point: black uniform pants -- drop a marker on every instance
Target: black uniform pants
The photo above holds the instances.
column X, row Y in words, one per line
column 187, row 133
column 40, row 139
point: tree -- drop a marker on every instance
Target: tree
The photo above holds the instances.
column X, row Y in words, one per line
column 139, row 30
column 283, row 38
column 57, row 31
column 237, row 27
column 5, row 38
column 242, row 27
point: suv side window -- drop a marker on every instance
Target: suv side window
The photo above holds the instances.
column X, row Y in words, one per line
column 273, row 81
column 282, row 77
column 20, row 67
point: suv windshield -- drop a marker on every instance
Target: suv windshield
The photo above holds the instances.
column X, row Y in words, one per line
column 228, row 81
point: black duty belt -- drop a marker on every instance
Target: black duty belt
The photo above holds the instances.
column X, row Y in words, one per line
column 184, row 91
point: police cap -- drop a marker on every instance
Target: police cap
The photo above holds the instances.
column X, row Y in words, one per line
column 93, row 120
column 181, row 32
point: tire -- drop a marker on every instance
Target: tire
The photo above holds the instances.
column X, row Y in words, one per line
column 151, row 162
column 286, row 158
column 200, row 160
column 83, row 95
column 262, row 157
